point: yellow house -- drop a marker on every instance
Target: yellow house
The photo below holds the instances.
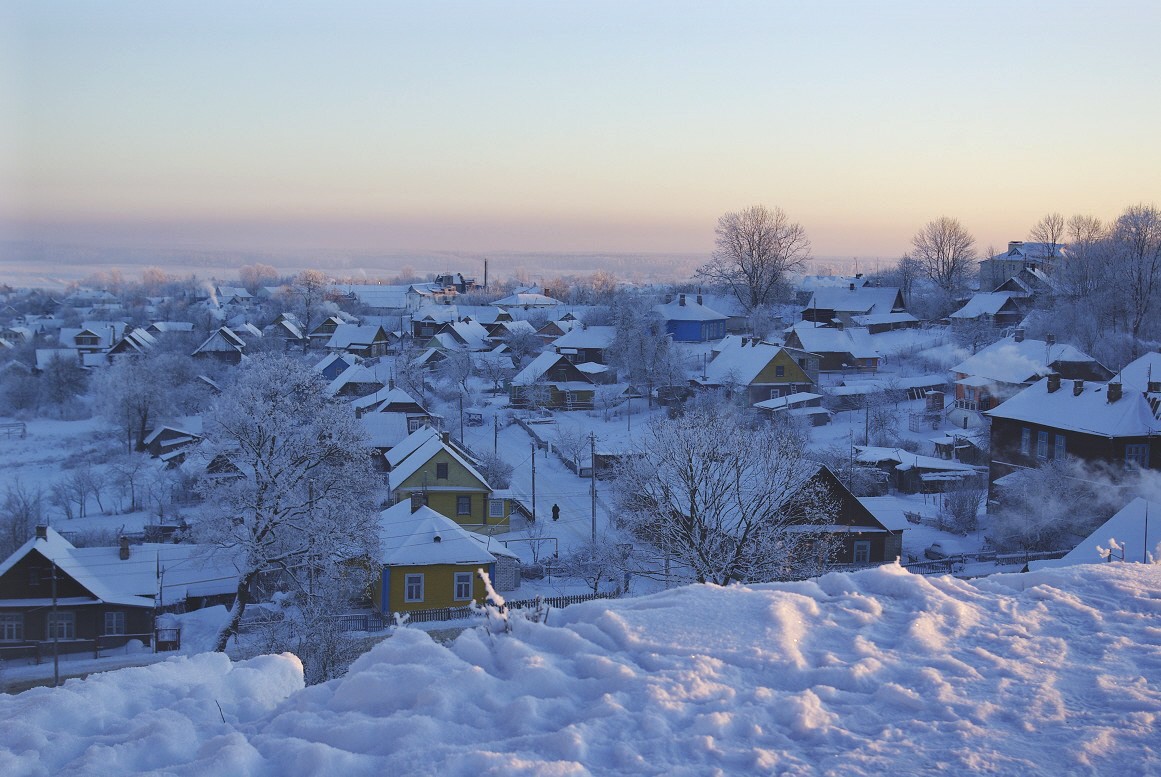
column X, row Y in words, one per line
column 762, row 370
column 428, row 464
column 427, row 561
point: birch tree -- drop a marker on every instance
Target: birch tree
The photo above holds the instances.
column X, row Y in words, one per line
column 306, row 492
column 945, row 251
column 711, row 500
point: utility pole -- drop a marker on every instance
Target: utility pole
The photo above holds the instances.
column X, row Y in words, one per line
column 593, row 487
column 461, row 416
column 55, row 633
column 534, row 481
column 495, row 434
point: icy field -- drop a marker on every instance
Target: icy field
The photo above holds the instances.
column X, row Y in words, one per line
column 1055, row 672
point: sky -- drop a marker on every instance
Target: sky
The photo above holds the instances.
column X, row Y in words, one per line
column 567, row 127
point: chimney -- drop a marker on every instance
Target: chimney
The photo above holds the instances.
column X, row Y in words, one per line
column 743, row 342
column 1078, row 387
column 1114, row 392
column 852, row 287
column 437, row 538
column 123, row 553
column 1053, row 382
column 416, row 500
column 391, row 384
column 41, row 531
column 1019, row 335
column 1050, row 339
column 699, row 300
column 1154, row 387
column 681, row 300
column 446, row 437
column 1014, row 244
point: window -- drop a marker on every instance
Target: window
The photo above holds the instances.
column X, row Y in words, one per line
column 11, row 627
column 114, row 623
column 463, row 586
column 779, row 371
column 441, row 471
column 63, row 625
column 413, row 588
column 33, row 577
column 413, row 424
column 1059, row 454
column 1042, row 445
column 463, row 505
column 1025, row 440
column 863, row 552
column 775, row 393
column 495, row 508
column 1137, row 455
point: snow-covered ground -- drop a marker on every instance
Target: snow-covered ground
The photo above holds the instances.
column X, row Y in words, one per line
column 1045, row 673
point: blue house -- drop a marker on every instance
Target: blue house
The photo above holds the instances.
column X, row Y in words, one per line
column 692, row 322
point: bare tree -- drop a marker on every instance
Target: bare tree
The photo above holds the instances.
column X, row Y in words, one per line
column 522, row 345
column 756, row 248
column 640, row 351
column 1049, row 230
column 945, row 251
column 309, row 295
column 21, row 509
column 715, row 501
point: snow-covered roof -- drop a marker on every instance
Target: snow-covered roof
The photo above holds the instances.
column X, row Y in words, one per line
column 1136, row 527
column 1137, row 374
column 861, row 299
column 191, row 425
column 738, row 363
column 353, row 336
column 586, row 337
column 526, row 300
column 983, row 304
column 332, row 357
column 409, row 538
column 1009, row 361
column 536, row 369
column 905, row 460
column 690, row 310
column 790, row 400
column 876, row 319
column 384, row 430
column 379, row 296
column 134, row 582
column 820, row 339
column 360, row 372
column 46, row 356
column 1089, row 412
column 411, row 455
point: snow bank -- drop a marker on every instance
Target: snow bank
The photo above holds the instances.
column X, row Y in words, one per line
column 1050, row 672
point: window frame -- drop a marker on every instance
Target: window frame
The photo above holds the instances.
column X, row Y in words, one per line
column 862, row 548
column 1059, row 450
column 1042, row 445
column 495, row 508
column 1137, row 454
column 62, row 618
column 118, row 623
column 463, row 500
column 409, row 580
column 1026, row 441
column 441, row 470
column 11, row 627
column 461, row 579
column 779, row 371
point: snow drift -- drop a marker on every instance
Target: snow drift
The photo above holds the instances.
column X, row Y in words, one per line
column 1050, row 672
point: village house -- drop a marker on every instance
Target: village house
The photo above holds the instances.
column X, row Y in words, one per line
column 762, row 370
column 427, row 561
column 838, row 305
column 552, row 381
column 90, row 599
column 838, row 350
column 688, row 320
column 994, row 308
column 1055, row 418
column 223, row 344
column 586, row 344
column 428, row 464
column 361, row 340
column 995, row 373
column 1020, row 255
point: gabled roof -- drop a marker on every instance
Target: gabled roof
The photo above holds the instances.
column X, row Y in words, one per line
column 354, row 336
column 1008, row 361
column 861, row 299
column 737, row 363
column 415, row 457
column 779, row 403
column 357, row 373
column 379, row 296
column 536, row 369
column 526, row 300
column 905, row 460
column 690, row 311
column 1136, row 526
column 820, row 339
column 1089, row 412
column 1139, row 373
column 985, row 304
column 134, row 582
column 423, row 537
column 586, row 337
column 347, row 358
column 384, row 430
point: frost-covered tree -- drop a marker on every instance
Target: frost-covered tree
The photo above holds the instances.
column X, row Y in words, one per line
column 135, row 391
column 1049, row 230
column 305, row 494
column 1136, row 252
column 640, row 351
column 713, row 500
column 755, row 249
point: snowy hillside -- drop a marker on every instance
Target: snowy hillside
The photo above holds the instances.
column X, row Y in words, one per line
column 1052, row 672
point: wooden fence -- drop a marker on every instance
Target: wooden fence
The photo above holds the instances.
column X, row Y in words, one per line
column 375, row 621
